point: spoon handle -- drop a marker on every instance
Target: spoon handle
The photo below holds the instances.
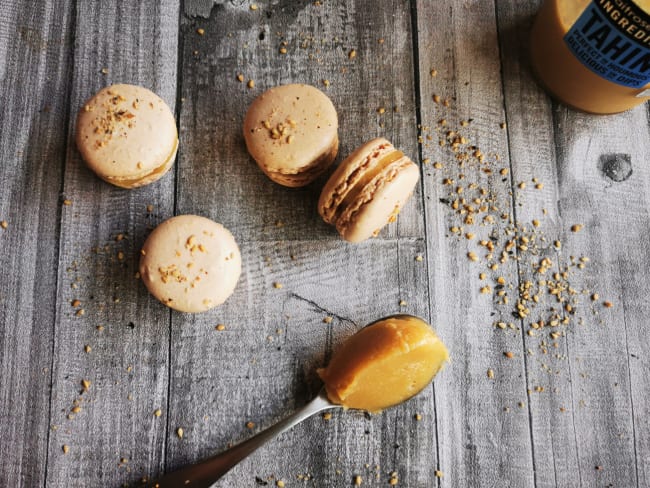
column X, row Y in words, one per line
column 205, row 473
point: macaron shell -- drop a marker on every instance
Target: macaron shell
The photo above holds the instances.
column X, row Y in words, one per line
column 190, row 263
column 148, row 178
column 348, row 174
column 310, row 173
column 126, row 133
column 379, row 202
column 290, row 127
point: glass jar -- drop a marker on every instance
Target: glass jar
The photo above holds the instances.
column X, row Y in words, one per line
column 593, row 55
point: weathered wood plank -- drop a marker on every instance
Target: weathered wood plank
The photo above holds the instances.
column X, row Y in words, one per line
column 483, row 423
column 128, row 363
column 35, row 40
column 250, row 371
column 533, row 155
column 597, row 381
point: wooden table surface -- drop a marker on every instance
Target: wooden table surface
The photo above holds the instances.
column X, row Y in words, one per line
column 567, row 405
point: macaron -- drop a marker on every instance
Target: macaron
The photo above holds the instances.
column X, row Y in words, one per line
column 127, row 135
column 190, row 263
column 291, row 131
column 367, row 190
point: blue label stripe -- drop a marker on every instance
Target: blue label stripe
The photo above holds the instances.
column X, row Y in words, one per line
column 615, row 50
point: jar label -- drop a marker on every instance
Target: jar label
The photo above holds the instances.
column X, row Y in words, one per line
column 612, row 39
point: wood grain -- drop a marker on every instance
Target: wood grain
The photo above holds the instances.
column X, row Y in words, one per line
column 597, row 438
column 250, row 371
column 484, row 429
column 35, row 62
column 566, row 410
column 128, row 363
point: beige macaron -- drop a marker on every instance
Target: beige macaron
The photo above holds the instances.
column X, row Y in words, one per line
column 190, row 263
column 127, row 135
column 367, row 190
column 291, row 131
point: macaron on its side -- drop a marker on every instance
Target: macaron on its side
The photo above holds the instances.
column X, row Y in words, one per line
column 367, row 190
column 380, row 201
column 127, row 135
column 291, row 131
column 190, row 263
column 364, row 161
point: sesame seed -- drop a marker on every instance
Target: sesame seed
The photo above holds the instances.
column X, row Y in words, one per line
column 220, row 327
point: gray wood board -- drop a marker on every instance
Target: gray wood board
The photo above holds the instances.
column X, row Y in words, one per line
column 128, row 364
column 480, row 443
column 250, row 372
column 35, row 63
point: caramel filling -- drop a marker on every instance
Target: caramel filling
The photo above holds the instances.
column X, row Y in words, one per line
column 384, row 364
column 365, row 178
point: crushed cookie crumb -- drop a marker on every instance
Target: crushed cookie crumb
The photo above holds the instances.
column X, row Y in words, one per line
column 180, row 432
column 251, row 84
column 358, row 480
column 277, row 285
column 240, row 77
column 250, row 425
column 328, row 320
column 327, row 416
column 220, row 327
column 352, row 54
column 253, row 7
column 326, row 82
column 490, row 373
column 4, row 224
column 576, row 227
column 438, row 473
column 157, row 412
column 200, row 31
column 65, row 448
column 607, row 304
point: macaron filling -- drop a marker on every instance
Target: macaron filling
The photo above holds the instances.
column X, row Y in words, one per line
column 382, row 180
column 330, row 208
column 375, row 169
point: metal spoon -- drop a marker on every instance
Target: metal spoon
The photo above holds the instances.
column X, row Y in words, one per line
column 205, row 473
